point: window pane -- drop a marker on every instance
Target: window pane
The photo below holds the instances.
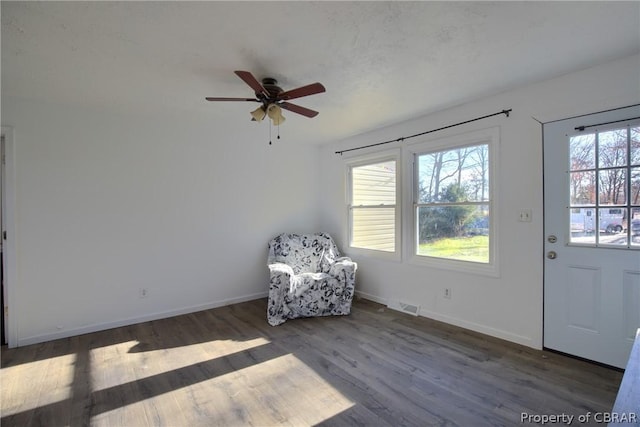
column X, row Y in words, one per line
column 454, row 232
column 635, row 226
column 635, row 186
column 583, row 225
column 374, row 184
column 635, row 146
column 612, row 148
column 611, row 226
column 582, row 153
column 613, row 186
column 582, row 187
column 373, row 228
column 461, row 174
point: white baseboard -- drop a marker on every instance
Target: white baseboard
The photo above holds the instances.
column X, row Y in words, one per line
column 133, row 320
column 486, row 330
column 371, row 297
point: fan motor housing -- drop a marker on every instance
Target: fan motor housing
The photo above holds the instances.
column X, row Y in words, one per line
column 271, row 85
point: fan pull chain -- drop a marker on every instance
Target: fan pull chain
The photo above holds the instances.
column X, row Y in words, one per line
column 278, row 137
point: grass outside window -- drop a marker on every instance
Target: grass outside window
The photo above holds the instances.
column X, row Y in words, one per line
column 472, row 248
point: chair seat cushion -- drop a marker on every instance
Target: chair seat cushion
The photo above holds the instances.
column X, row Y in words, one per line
column 311, row 282
column 313, row 294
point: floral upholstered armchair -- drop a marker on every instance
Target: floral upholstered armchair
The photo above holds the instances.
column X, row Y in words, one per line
column 308, row 277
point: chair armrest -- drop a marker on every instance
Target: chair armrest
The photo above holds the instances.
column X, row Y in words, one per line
column 345, row 271
column 344, row 264
column 280, row 268
column 280, row 280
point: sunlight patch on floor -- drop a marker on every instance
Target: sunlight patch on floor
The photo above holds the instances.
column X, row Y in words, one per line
column 289, row 391
column 281, row 390
column 39, row 384
column 116, row 364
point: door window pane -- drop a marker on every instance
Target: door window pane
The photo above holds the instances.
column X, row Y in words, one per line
column 582, row 187
column 612, row 221
column 635, row 146
column 635, row 227
column 613, row 186
column 582, row 152
column 612, row 148
column 635, row 186
column 583, row 225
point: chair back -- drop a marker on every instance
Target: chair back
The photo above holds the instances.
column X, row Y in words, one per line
column 305, row 253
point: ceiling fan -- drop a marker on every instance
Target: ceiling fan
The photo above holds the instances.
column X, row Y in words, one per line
column 273, row 98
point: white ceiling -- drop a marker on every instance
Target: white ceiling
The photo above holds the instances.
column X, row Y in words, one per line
column 381, row 62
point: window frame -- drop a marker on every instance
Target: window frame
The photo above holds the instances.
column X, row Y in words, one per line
column 490, row 137
column 370, row 159
column 628, row 206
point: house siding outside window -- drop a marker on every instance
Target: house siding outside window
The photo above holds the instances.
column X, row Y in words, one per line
column 373, row 209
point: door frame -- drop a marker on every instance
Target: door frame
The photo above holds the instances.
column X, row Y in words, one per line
column 9, row 248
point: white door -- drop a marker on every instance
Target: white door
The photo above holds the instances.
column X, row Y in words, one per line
column 592, row 235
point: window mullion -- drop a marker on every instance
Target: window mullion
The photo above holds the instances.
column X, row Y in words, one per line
column 597, row 159
column 628, row 187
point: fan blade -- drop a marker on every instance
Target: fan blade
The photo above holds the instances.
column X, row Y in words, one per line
column 248, row 78
column 298, row 109
column 307, row 90
column 214, row 98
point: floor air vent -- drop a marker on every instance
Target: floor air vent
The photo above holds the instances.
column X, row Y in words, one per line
column 405, row 308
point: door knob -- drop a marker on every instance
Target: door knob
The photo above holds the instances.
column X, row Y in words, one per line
column 552, row 255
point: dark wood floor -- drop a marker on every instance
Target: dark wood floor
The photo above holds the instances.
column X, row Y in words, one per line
column 228, row 367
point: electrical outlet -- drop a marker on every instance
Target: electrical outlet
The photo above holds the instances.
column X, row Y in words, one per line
column 447, row 293
column 143, row 293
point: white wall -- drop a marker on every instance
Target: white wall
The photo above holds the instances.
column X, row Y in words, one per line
column 108, row 203
column 509, row 306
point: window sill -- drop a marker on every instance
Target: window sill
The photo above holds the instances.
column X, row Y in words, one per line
column 370, row 253
column 490, row 270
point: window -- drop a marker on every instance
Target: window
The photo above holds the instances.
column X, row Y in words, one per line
column 453, row 202
column 604, row 188
column 373, row 205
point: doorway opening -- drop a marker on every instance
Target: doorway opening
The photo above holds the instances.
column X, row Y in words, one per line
column 8, row 329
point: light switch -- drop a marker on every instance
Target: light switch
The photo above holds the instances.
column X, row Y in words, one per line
column 524, row 215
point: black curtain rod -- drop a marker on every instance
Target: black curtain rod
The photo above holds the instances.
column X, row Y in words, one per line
column 581, row 128
column 505, row 112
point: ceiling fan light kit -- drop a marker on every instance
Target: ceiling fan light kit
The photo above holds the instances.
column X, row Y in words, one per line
column 273, row 98
column 275, row 114
column 258, row 114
